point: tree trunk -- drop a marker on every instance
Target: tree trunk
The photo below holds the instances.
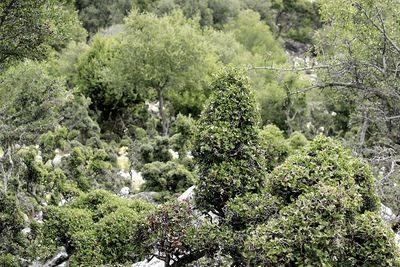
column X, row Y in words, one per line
column 163, row 116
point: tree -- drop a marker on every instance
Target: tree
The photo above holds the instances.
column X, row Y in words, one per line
column 13, row 242
column 29, row 27
column 175, row 59
column 359, row 46
column 256, row 36
column 227, row 147
column 23, row 28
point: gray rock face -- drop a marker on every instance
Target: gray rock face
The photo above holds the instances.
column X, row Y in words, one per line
column 387, row 214
column 188, row 195
column 60, row 259
column 124, row 192
column 154, row 262
column 146, row 196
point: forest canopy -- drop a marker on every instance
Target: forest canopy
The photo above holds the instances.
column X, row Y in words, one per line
column 199, row 133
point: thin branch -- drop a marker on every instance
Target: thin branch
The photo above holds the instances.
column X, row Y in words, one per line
column 308, row 68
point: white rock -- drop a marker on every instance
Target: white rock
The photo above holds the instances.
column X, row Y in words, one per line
column 188, row 195
column 136, row 176
column 153, row 108
column 26, row 231
column 124, row 192
column 154, row 262
column 39, row 217
column 124, row 174
column 62, row 202
column 174, row 154
column 189, row 155
column 387, row 214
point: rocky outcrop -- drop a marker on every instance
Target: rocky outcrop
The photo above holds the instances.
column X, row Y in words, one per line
column 154, row 262
column 188, row 195
column 146, row 196
column 60, row 259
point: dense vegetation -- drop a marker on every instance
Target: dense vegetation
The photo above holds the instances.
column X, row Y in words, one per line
column 279, row 119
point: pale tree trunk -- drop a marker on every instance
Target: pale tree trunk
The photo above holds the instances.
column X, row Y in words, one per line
column 163, row 116
column 6, row 173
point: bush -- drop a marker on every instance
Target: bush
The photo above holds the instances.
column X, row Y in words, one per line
column 12, row 242
column 96, row 228
column 329, row 217
column 176, row 233
column 227, row 148
column 170, row 176
column 275, row 145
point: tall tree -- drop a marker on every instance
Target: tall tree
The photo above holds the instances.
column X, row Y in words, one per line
column 360, row 45
column 227, row 146
column 29, row 27
column 164, row 55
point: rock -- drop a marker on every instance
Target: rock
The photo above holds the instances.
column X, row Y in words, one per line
column 26, row 231
column 188, row 195
column 124, row 174
column 60, row 259
column 136, row 179
column 62, row 202
column 154, row 262
column 296, row 48
column 189, row 155
column 174, row 154
column 387, row 214
column 153, row 108
column 146, row 196
column 124, row 192
column 39, row 217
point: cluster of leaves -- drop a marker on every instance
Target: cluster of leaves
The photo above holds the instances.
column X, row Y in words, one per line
column 319, row 207
column 227, row 144
column 13, row 242
column 96, row 228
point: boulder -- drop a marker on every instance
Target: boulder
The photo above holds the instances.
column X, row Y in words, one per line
column 146, row 196
column 387, row 214
column 188, row 195
column 124, row 192
column 60, row 259
column 154, row 262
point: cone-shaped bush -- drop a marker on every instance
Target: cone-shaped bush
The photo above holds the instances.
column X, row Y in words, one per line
column 331, row 214
column 227, row 145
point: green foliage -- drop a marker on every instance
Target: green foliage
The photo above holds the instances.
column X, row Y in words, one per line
column 175, row 62
column 12, row 243
column 275, row 145
column 255, row 36
column 251, row 209
column 92, row 81
column 227, row 147
column 89, row 167
column 126, row 224
column 29, row 27
column 212, row 13
column 182, row 134
column 97, row 228
column 177, row 234
column 100, row 14
column 324, row 161
column 33, row 103
column 297, row 140
column 171, row 176
column 328, row 197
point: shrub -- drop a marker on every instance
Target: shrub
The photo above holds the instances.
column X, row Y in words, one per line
column 329, row 217
column 227, row 147
column 170, row 176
